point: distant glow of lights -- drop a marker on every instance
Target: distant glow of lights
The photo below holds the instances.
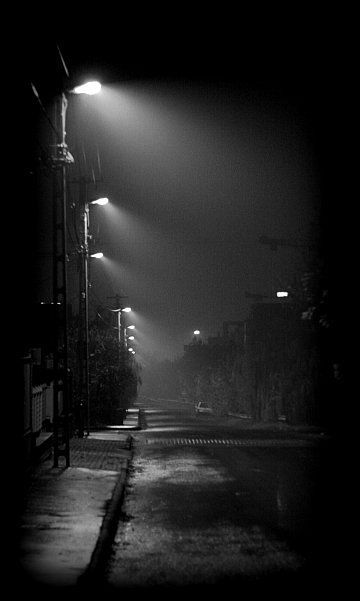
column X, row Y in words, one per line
column 131, row 327
column 100, row 201
column 97, row 255
column 196, row 332
column 90, row 88
column 131, row 338
column 126, row 310
column 133, row 352
column 282, row 294
column 130, row 349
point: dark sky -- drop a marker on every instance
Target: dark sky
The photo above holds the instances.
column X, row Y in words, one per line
column 207, row 141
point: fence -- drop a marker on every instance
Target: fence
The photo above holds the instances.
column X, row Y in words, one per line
column 38, row 407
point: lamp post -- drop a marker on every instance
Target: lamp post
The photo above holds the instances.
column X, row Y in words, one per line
column 89, row 88
column 196, row 337
column 61, row 158
column 84, row 308
column 121, row 329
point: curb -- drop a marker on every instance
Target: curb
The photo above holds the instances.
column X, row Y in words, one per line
column 95, row 571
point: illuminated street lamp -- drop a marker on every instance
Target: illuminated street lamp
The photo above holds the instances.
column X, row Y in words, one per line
column 126, row 309
column 100, row 201
column 132, row 327
column 282, row 294
column 97, row 255
column 90, row 88
column 131, row 337
column 196, row 337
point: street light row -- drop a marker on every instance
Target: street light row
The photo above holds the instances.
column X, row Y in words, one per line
column 92, row 88
column 99, row 255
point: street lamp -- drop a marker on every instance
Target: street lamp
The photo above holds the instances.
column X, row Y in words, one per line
column 61, row 158
column 100, row 201
column 123, row 337
column 84, row 302
column 196, row 337
column 90, row 88
column 282, row 294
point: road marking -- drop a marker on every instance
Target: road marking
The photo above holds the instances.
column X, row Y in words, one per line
column 249, row 442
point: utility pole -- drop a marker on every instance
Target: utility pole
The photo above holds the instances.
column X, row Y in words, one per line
column 84, row 285
column 61, row 159
column 120, row 326
column 84, row 403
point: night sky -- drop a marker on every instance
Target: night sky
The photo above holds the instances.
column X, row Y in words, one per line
column 208, row 139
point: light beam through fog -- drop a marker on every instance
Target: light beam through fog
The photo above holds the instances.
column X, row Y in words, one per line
column 196, row 176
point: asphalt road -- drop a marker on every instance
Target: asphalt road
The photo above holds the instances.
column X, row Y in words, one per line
column 211, row 503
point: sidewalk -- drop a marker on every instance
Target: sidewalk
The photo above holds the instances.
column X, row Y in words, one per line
column 68, row 518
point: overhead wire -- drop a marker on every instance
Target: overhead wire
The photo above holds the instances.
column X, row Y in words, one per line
column 37, row 96
column 62, row 61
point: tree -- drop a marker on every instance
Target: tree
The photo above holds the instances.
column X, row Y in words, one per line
column 113, row 376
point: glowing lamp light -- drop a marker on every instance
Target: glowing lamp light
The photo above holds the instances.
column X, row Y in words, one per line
column 133, row 352
column 97, row 255
column 126, row 310
column 131, row 338
column 90, row 88
column 130, row 350
column 282, row 294
column 131, row 327
column 196, row 332
column 100, row 201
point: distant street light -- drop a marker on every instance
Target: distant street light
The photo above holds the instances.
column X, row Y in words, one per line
column 196, row 337
column 132, row 327
column 97, row 255
column 131, row 337
column 126, row 309
column 282, row 294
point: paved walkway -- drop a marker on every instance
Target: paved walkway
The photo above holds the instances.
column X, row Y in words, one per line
column 68, row 512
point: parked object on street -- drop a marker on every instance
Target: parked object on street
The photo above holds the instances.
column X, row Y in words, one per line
column 202, row 407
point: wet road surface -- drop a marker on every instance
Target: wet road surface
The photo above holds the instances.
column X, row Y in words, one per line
column 211, row 505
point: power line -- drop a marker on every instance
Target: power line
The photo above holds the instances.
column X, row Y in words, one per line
column 62, row 61
column 36, row 94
